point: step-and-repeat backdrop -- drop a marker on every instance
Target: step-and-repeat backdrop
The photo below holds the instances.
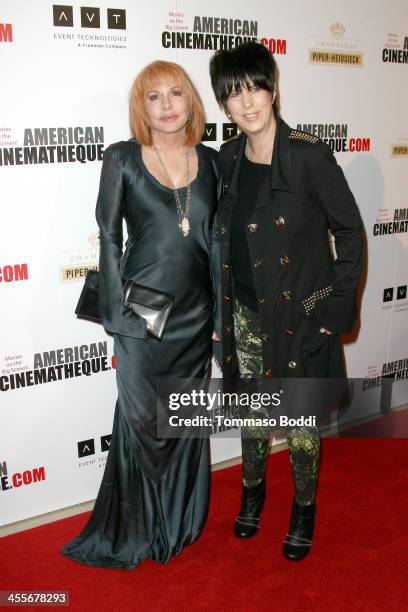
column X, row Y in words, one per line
column 66, row 70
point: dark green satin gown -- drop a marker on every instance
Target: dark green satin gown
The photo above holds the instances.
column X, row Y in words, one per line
column 153, row 498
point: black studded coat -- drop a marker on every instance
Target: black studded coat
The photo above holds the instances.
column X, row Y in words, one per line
column 299, row 285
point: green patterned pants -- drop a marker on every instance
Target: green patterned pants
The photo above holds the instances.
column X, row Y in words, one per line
column 303, row 442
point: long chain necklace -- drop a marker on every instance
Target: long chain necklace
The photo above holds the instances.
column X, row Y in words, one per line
column 183, row 216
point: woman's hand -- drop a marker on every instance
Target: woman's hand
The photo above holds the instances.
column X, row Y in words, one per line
column 323, row 330
column 215, row 336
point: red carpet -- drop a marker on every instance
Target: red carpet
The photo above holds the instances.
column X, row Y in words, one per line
column 358, row 562
column 391, row 425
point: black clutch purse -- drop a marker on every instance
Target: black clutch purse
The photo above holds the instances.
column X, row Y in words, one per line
column 88, row 303
column 152, row 305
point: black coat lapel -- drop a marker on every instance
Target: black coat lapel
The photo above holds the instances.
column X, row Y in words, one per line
column 281, row 173
column 280, row 176
column 234, row 163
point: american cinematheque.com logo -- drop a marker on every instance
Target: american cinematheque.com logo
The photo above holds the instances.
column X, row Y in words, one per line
column 54, row 365
column 395, row 49
column 377, row 374
column 53, row 145
column 211, row 33
column 88, row 18
column 398, row 369
column 6, row 32
column 335, row 48
column 16, row 480
column 337, row 136
column 11, row 273
column 391, row 222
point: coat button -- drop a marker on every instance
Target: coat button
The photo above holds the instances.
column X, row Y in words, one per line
column 223, row 230
column 226, row 187
column 264, row 337
column 226, row 265
column 252, row 228
column 279, row 221
column 228, row 358
column 287, row 295
column 292, row 364
column 284, row 260
column 227, row 299
column 257, row 264
column 289, row 332
column 268, row 372
column 227, row 329
column 261, row 301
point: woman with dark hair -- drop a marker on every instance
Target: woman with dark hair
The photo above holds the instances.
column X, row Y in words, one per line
column 153, row 497
column 286, row 299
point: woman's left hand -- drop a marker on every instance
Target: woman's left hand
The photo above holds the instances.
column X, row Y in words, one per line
column 323, row 330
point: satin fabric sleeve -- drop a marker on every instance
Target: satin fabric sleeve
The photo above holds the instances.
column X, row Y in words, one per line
column 215, row 257
column 334, row 196
column 116, row 318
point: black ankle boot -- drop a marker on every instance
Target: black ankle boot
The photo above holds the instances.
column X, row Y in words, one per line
column 299, row 539
column 247, row 522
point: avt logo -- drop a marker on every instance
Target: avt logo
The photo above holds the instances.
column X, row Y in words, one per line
column 63, row 16
column 395, row 293
column 19, row 479
column 90, row 18
column 6, row 32
column 210, row 132
column 105, row 443
column 229, row 130
column 87, row 447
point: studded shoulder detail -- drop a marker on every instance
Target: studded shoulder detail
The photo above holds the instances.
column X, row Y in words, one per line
column 298, row 135
column 310, row 302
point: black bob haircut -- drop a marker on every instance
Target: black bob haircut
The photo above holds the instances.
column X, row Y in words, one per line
column 250, row 63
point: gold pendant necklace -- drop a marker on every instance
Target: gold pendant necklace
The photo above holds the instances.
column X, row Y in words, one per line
column 183, row 215
column 185, row 226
